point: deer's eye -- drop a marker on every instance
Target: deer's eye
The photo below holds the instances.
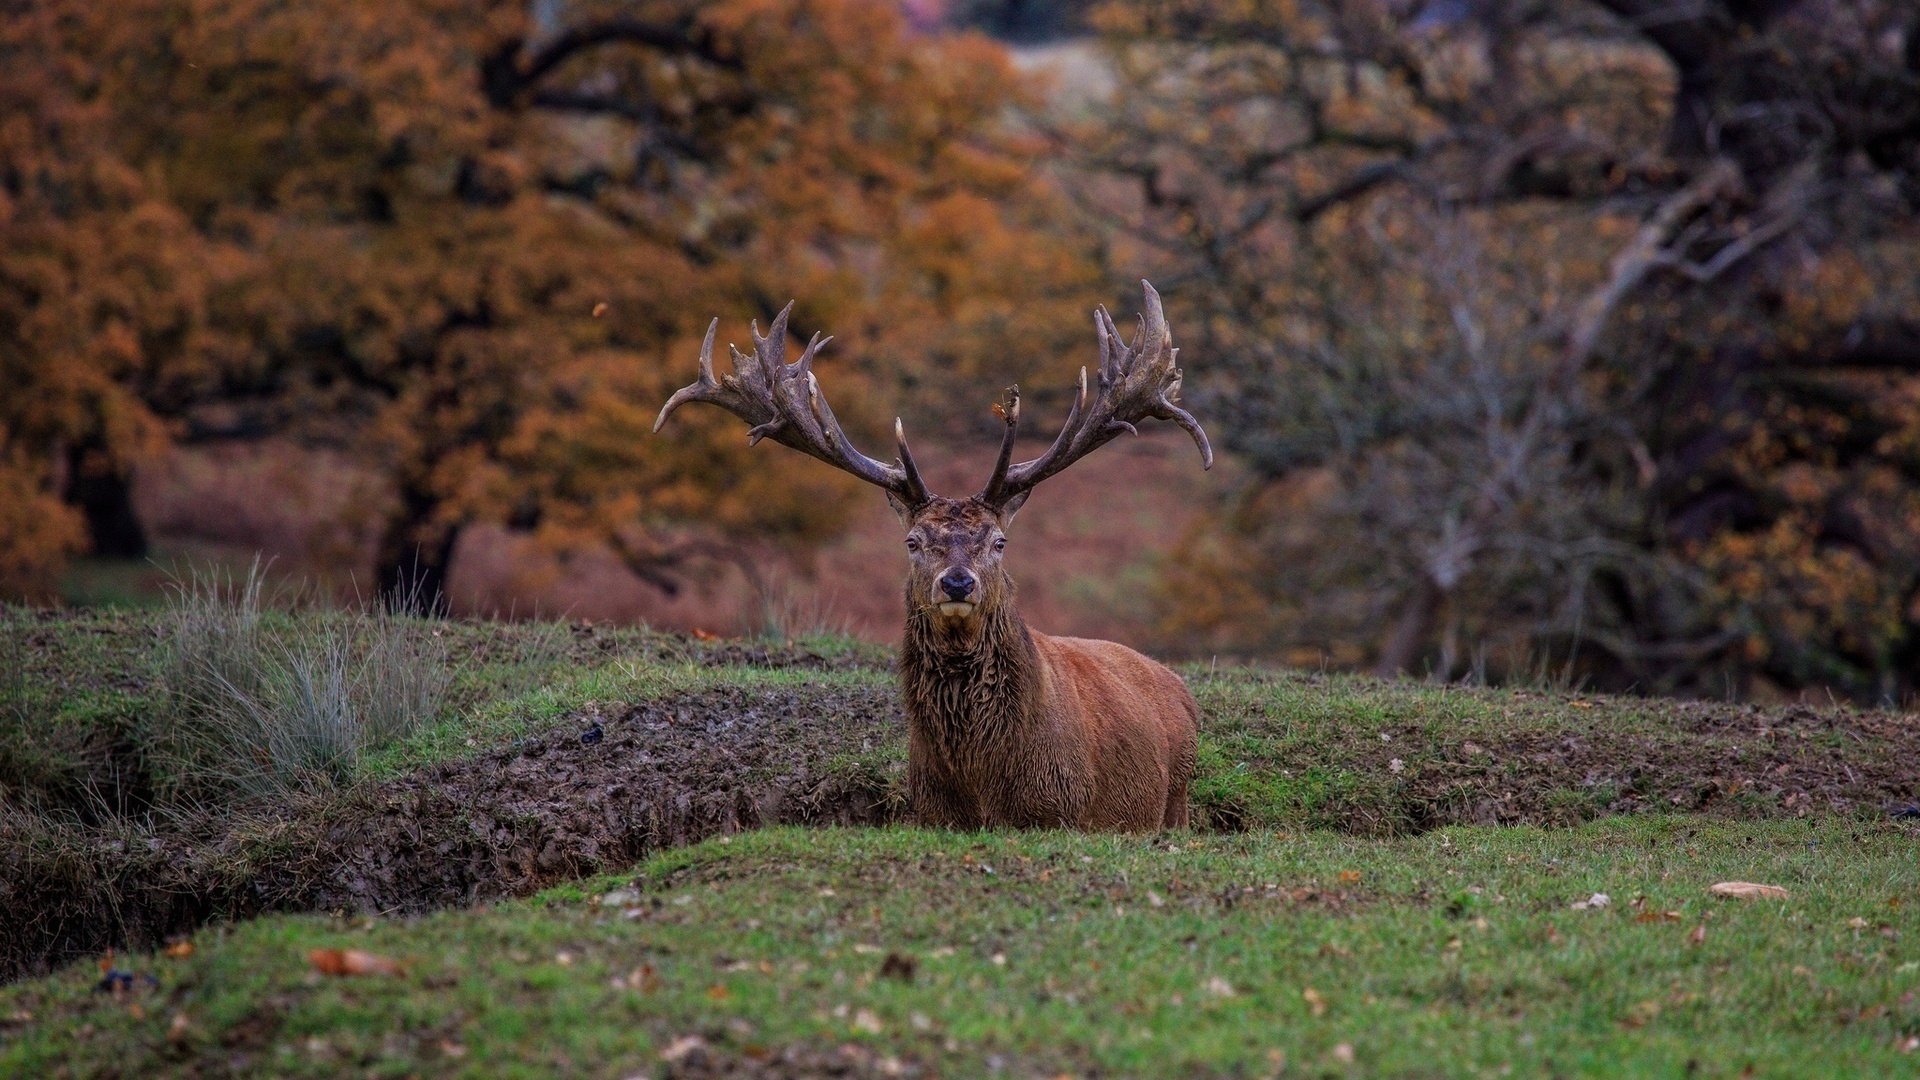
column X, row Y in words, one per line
column 999, row 543
column 913, row 544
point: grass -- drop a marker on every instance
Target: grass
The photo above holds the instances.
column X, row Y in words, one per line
column 259, row 703
column 1280, row 749
column 1452, row 953
column 218, row 699
column 1429, row 947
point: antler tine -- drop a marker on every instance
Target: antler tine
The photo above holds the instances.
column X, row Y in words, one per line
column 916, row 488
column 1008, row 409
column 784, row 402
column 700, row 387
column 1138, row 381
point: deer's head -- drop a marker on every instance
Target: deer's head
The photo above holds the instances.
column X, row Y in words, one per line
column 955, row 576
column 954, row 546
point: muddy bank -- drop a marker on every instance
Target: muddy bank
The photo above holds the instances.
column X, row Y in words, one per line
column 1696, row 757
column 606, row 788
column 503, row 823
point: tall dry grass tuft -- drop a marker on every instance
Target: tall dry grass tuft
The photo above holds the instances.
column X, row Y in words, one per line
column 260, row 703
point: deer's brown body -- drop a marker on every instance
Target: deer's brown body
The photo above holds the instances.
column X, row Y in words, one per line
column 1005, row 726
column 1009, row 726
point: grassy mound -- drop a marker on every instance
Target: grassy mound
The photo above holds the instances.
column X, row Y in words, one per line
column 553, row 752
column 901, row 952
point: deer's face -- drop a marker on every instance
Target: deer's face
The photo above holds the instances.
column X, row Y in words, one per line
column 954, row 573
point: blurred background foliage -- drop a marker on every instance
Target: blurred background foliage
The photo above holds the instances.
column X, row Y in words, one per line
column 1575, row 339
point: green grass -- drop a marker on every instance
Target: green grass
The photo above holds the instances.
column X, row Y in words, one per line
column 1279, row 749
column 1453, row 953
column 1428, row 949
column 86, row 697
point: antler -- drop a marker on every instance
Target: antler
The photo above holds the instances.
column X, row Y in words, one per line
column 783, row 402
column 1137, row 382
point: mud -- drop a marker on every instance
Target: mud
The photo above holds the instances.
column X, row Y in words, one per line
column 1705, row 757
column 547, row 809
column 504, row 823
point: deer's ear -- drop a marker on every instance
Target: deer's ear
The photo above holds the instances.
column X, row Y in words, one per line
column 1011, row 508
column 900, row 508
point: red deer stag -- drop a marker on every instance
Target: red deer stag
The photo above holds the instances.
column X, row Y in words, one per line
column 1006, row 726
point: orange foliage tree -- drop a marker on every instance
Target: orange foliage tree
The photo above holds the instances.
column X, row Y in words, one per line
column 478, row 241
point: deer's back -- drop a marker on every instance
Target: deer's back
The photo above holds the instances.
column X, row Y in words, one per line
column 1139, row 725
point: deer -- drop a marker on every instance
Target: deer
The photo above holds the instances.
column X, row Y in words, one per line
column 1006, row 726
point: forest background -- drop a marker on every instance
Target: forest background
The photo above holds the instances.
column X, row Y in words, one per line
column 1574, row 338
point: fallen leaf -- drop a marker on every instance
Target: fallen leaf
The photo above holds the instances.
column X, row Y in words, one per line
column 1349, row 877
column 682, row 1047
column 865, row 1020
column 599, row 309
column 1699, row 935
column 717, row 992
column 1315, row 1003
column 179, row 950
column 352, row 962
column 1343, row 1053
column 1396, row 765
column 1657, row 916
column 1747, row 890
column 642, row 978
column 1597, row 900
column 1581, row 704
column 1219, row 987
column 179, row 1028
column 1857, row 923
column 896, row 966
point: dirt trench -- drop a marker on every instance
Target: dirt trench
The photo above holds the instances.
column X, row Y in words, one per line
column 503, row 823
column 571, row 802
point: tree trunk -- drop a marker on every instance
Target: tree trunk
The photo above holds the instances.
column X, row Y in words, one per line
column 104, row 495
column 416, row 556
column 1411, row 629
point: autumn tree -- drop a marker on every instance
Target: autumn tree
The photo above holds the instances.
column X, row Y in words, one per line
column 1544, row 291
column 478, row 241
column 104, row 291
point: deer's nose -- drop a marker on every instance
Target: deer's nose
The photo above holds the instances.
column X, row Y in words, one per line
column 958, row 583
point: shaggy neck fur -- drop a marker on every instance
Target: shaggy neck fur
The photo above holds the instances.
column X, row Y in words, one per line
column 968, row 685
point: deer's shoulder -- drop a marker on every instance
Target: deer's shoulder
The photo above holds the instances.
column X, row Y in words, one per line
column 1099, row 657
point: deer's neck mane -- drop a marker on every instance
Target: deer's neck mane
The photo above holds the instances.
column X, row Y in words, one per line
column 965, row 691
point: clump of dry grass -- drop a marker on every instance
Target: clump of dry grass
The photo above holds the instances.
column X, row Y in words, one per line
column 261, row 703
